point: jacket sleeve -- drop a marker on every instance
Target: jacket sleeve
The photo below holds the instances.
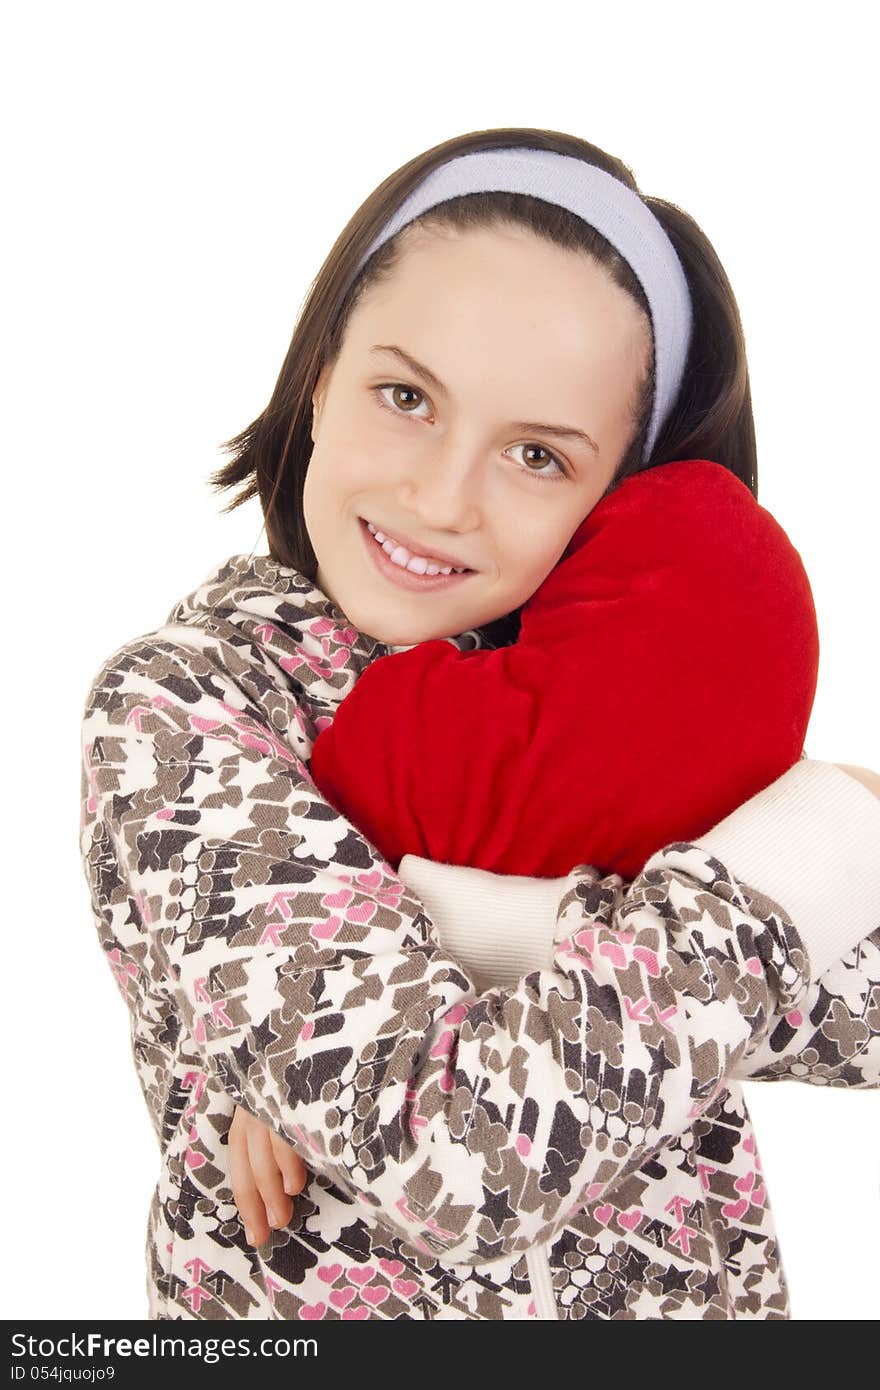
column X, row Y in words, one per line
column 313, row 983
column 832, row 1036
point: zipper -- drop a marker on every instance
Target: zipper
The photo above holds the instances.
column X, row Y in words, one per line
column 541, row 1280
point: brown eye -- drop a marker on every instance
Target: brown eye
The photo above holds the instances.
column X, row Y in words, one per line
column 403, row 396
column 402, row 402
column 535, row 449
column 559, row 470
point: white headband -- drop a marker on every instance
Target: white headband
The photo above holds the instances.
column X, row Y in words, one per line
column 606, row 204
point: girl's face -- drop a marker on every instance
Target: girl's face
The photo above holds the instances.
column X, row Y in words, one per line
column 425, row 425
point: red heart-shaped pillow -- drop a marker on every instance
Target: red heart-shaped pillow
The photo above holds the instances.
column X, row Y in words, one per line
column 664, row 673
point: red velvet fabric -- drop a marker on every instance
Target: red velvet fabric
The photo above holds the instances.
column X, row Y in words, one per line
column 664, row 673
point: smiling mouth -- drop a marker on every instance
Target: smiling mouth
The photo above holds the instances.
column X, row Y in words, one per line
column 389, row 544
column 404, row 578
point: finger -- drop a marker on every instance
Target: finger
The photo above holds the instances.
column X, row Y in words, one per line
column 267, row 1175
column 251, row 1207
column 294, row 1174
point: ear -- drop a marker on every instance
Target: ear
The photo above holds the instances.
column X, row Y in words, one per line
column 318, row 396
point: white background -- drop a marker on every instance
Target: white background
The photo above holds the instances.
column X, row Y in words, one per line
column 174, row 175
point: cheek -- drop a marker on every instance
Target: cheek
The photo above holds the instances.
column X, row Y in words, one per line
column 351, row 459
column 323, row 497
column 524, row 568
column 324, row 487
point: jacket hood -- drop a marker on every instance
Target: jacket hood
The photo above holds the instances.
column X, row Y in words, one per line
column 254, row 601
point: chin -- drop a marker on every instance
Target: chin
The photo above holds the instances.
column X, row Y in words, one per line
column 383, row 628
column 395, row 636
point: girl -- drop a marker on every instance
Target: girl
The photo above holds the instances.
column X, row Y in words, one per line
column 574, row 1143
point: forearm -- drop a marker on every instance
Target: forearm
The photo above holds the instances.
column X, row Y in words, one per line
column 811, row 843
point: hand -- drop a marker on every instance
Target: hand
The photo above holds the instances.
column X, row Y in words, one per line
column 869, row 779
column 265, row 1171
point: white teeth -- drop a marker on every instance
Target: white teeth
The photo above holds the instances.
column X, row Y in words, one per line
column 417, row 564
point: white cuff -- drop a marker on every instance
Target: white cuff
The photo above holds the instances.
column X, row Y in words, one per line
column 811, row 842
column 501, row 925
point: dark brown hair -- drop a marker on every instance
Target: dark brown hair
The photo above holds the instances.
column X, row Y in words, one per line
column 711, row 418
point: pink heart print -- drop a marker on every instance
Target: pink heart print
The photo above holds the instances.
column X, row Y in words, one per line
column 362, row 913
column 736, row 1209
column 340, row 899
column 629, row 1219
column 326, row 930
column 319, row 627
column 370, row 881
column 407, row 1288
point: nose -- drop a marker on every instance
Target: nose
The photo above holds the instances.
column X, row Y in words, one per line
column 444, row 489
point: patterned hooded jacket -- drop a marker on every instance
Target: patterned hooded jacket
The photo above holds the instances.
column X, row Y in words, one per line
column 571, row 1142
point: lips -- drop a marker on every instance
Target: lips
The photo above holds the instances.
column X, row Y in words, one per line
column 415, row 548
column 400, row 576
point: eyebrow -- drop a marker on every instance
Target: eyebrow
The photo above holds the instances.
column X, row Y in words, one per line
column 419, row 368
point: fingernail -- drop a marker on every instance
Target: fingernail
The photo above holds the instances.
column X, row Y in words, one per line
column 291, row 1190
column 273, row 1217
column 249, row 1236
